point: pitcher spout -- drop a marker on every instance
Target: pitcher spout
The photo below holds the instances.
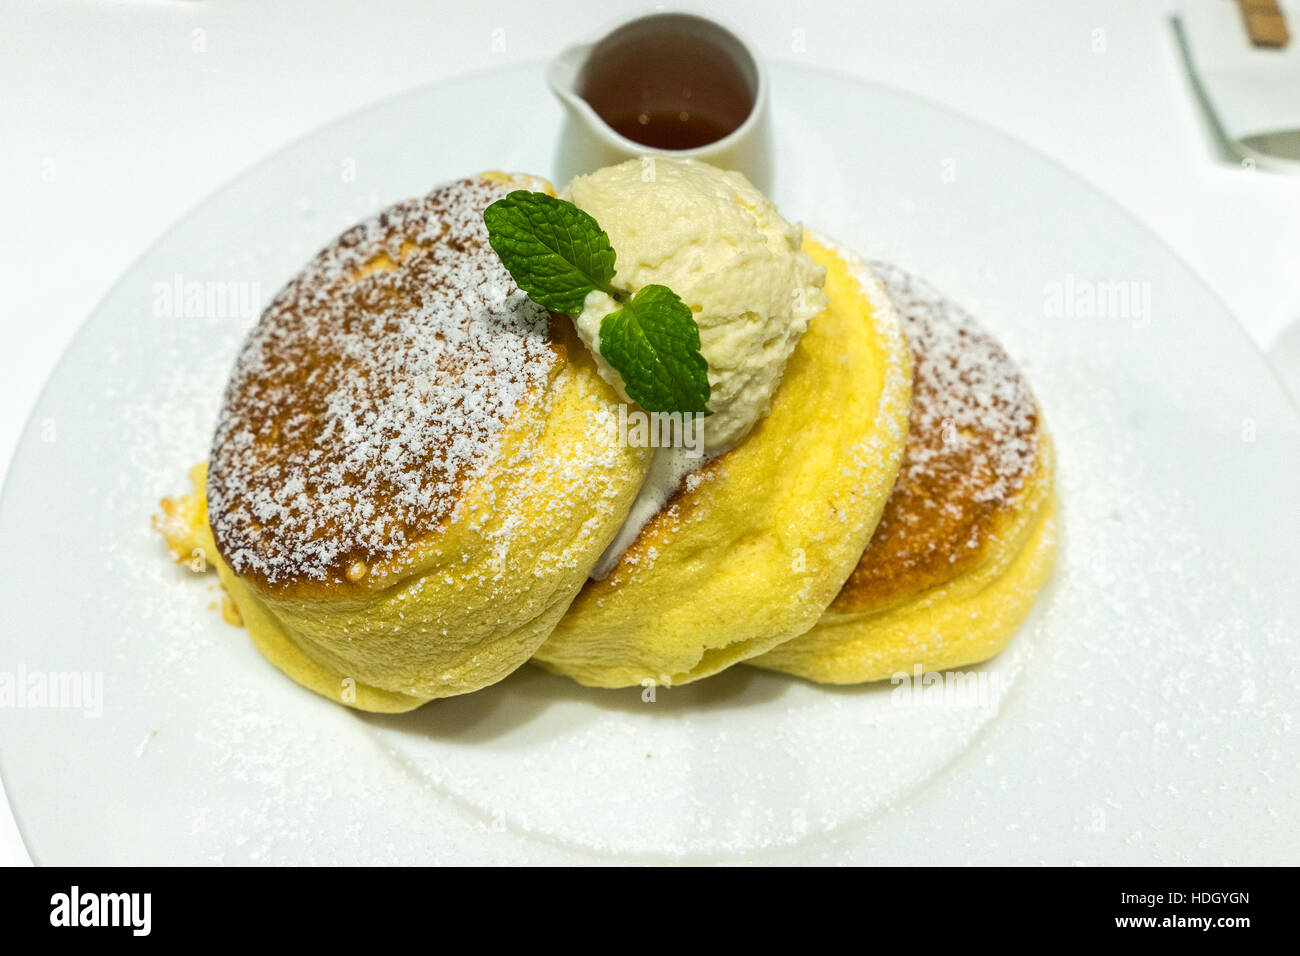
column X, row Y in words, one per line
column 563, row 73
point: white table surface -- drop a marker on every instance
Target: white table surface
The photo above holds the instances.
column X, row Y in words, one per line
column 115, row 125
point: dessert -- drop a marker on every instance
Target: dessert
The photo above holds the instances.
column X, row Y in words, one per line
column 749, row 550
column 969, row 534
column 424, row 473
column 415, row 467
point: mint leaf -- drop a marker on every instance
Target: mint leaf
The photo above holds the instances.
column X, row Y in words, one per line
column 556, row 252
column 654, row 343
column 559, row 255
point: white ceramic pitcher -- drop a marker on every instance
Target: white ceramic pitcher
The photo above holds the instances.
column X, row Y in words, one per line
column 588, row 141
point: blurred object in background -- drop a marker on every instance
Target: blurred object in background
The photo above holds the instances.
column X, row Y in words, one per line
column 1247, row 71
column 1265, row 23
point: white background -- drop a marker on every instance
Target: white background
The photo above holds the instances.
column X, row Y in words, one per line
column 117, row 117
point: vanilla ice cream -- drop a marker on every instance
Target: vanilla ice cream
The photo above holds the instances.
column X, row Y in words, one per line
column 723, row 247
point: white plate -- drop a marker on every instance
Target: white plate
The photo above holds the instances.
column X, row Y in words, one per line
column 1143, row 715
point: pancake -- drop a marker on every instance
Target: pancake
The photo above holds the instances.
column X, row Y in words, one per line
column 415, row 467
column 969, row 533
column 753, row 546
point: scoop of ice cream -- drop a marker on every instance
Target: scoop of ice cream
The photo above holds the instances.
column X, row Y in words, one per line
column 722, row 246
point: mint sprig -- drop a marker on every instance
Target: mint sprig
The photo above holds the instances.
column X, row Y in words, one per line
column 558, row 255
column 654, row 343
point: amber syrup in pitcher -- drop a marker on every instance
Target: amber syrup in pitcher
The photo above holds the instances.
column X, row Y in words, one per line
column 667, row 89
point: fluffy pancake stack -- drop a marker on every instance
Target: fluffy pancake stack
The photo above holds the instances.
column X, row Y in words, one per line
column 416, row 469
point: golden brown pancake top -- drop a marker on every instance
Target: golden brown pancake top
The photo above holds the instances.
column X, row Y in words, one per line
column 972, row 442
column 376, row 384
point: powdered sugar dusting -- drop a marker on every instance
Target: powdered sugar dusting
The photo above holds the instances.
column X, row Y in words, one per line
column 375, row 385
column 972, row 442
column 963, row 383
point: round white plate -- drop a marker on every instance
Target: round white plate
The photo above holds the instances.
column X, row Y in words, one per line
column 1143, row 715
